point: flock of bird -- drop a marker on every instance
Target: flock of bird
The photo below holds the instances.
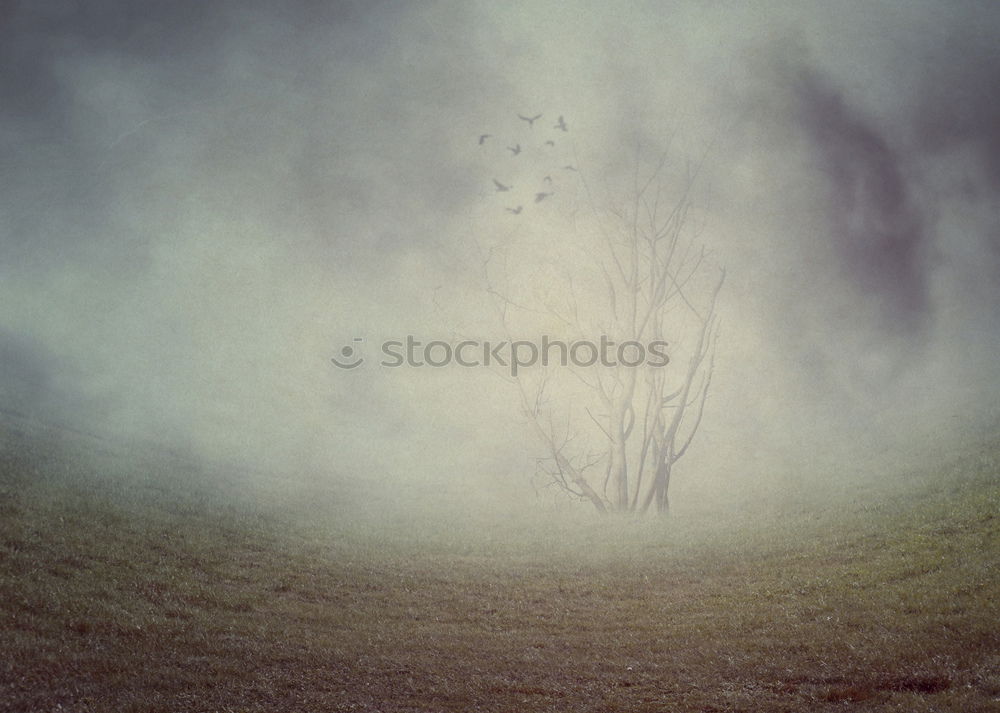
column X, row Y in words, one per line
column 546, row 187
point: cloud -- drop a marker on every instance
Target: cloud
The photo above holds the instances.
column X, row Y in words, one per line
column 878, row 231
column 958, row 104
column 200, row 202
column 25, row 374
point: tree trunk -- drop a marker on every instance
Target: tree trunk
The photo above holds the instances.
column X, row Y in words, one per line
column 658, row 490
column 619, row 469
column 663, row 487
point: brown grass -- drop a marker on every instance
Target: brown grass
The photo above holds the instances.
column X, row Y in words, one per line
column 120, row 593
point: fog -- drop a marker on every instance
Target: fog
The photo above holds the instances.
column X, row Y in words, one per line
column 202, row 203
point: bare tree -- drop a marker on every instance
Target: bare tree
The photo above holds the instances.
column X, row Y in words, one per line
column 615, row 438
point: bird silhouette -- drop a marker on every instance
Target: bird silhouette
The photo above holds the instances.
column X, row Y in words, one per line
column 515, row 149
column 539, row 197
column 500, row 186
column 550, row 143
column 561, row 124
column 547, row 179
column 530, row 119
column 515, row 211
column 483, row 137
column 569, row 168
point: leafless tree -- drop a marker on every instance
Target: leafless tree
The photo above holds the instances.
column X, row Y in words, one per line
column 613, row 433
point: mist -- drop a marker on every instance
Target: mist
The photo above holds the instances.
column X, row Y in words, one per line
column 202, row 204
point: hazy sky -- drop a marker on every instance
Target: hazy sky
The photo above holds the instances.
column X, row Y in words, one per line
column 202, row 202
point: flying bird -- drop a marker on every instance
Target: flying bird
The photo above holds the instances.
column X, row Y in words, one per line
column 515, row 149
column 570, row 168
column 539, row 197
column 483, row 137
column 530, row 119
column 515, row 211
column 548, row 179
column 500, row 186
column 550, row 143
column 561, row 124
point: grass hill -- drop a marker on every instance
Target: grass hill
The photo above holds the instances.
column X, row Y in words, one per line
column 130, row 582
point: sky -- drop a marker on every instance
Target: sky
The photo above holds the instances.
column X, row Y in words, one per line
column 202, row 203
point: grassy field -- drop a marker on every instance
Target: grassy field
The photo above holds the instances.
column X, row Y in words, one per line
column 128, row 584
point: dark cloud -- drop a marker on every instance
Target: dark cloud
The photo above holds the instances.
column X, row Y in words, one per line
column 25, row 374
column 58, row 205
column 38, row 37
column 959, row 104
column 222, row 108
column 879, row 232
column 956, row 119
